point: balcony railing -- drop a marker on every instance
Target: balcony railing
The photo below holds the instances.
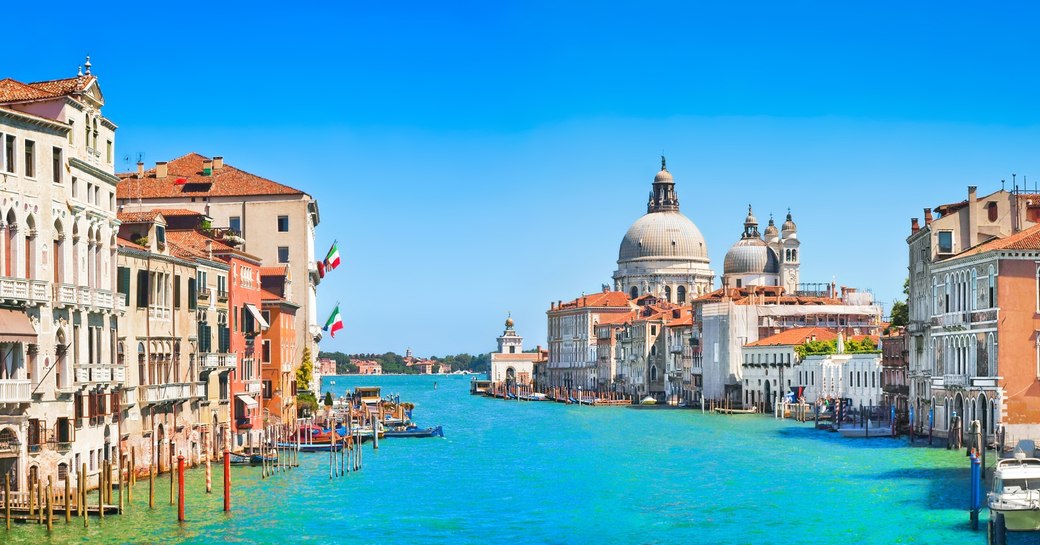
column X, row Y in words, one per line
column 83, row 296
column 64, row 295
column 159, row 393
column 120, row 302
column 159, row 313
column 252, row 386
column 103, row 299
column 214, row 360
column 14, row 289
column 15, row 391
column 92, row 373
column 203, row 294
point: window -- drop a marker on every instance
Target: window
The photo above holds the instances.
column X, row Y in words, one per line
column 56, row 164
column 283, row 254
column 681, row 294
column 108, row 151
column 123, row 284
column 221, row 286
column 72, row 127
column 73, row 185
column 176, row 291
column 235, row 224
column 634, row 293
column 974, row 289
column 30, row 159
column 90, row 192
column 991, row 209
column 283, row 224
column 9, row 153
column 160, row 235
column 945, row 239
column 267, row 389
column 266, row 351
column 992, row 287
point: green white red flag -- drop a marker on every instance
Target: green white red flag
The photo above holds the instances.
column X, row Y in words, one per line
column 332, row 260
column 335, row 322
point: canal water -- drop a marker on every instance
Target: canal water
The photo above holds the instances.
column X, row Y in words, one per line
column 523, row 472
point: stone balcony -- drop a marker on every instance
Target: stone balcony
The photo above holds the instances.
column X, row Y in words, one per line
column 15, row 391
column 64, row 295
column 949, row 381
column 252, row 386
column 159, row 313
column 100, row 373
column 215, row 360
column 153, row 394
column 23, row 291
column 119, row 303
column 102, row 299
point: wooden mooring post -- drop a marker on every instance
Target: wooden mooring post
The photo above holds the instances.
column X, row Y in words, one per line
column 7, row 501
column 50, row 504
column 180, row 488
column 82, row 500
column 172, row 471
column 227, row 481
column 68, row 499
column 151, row 486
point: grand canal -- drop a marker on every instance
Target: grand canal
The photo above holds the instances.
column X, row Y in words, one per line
column 548, row 473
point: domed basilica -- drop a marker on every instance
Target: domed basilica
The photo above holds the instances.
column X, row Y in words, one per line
column 664, row 254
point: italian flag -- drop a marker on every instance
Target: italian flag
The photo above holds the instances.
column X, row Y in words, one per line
column 335, row 322
column 332, row 260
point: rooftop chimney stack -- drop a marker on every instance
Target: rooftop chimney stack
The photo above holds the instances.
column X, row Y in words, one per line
column 927, row 217
column 973, row 217
column 218, row 162
column 914, row 226
column 160, row 169
column 140, row 169
column 207, row 167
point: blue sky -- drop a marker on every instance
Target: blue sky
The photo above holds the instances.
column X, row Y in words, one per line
column 479, row 158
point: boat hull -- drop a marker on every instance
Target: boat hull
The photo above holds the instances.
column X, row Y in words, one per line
column 1020, row 520
column 852, row 433
column 419, row 433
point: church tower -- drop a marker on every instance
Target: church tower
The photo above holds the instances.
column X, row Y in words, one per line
column 510, row 342
column 789, row 259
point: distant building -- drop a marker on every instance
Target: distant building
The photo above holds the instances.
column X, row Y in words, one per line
column 572, row 339
column 894, row 369
column 511, row 364
column 423, row 365
column 326, row 366
column 368, row 367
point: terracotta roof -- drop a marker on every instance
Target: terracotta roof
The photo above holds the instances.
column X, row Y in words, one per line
column 177, row 212
column 1028, row 239
column 277, row 270
column 127, row 244
column 16, row 91
column 616, row 318
column 192, row 244
column 797, row 336
column 764, row 295
column 224, row 181
column 146, row 216
column 599, row 299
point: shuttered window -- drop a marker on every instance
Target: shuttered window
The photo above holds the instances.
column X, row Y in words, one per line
column 142, row 289
column 191, row 294
column 176, row 291
column 124, row 284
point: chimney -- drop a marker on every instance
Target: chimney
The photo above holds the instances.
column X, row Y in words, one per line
column 160, row 169
column 927, row 217
column 140, row 169
column 218, row 162
column 209, row 250
column 552, row 305
column 914, row 226
column 973, row 217
column 207, row 167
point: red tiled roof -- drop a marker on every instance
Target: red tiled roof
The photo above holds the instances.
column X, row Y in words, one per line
column 177, row 212
column 127, row 244
column 145, row 216
column 1028, row 239
column 16, row 91
column 763, row 295
column 224, row 181
column 616, row 318
column 277, row 270
column 192, row 244
column 797, row 336
column 599, row 299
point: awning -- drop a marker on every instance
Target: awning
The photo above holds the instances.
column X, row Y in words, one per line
column 257, row 316
column 248, row 401
column 15, row 327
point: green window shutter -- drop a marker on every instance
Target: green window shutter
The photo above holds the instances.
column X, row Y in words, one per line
column 142, row 289
column 124, row 284
column 192, row 304
column 176, row 291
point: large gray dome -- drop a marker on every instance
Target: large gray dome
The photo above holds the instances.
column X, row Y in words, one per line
column 663, row 235
column 751, row 256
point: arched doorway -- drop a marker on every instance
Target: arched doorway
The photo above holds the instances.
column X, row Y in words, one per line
column 983, row 415
column 10, row 448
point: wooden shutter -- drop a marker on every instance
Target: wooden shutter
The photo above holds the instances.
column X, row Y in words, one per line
column 142, row 289
column 191, row 294
column 124, row 284
column 176, row 291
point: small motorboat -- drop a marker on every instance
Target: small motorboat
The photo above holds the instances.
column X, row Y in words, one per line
column 1014, row 503
column 314, row 447
column 648, row 400
column 243, row 459
column 414, row 431
column 869, row 431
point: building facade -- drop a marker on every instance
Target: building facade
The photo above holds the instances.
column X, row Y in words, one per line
column 510, row 364
column 572, row 339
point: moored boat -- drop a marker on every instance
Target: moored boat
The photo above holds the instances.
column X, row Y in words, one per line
column 415, row 432
column 1014, row 503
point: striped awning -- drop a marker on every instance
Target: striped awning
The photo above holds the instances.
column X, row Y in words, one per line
column 15, row 327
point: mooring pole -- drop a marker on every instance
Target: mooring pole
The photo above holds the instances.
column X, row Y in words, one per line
column 180, row 488
column 227, row 481
column 975, row 489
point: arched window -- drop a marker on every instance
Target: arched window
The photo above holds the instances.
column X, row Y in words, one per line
column 653, row 373
column 653, row 350
column 974, row 289
column 681, row 294
column 935, row 295
column 991, row 355
column 668, row 293
column 992, row 287
column 946, row 287
column 634, row 292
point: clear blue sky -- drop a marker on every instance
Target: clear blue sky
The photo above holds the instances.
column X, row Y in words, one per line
column 483, row 157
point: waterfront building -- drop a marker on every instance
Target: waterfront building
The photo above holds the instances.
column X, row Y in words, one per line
column 894, row 368
column 663, row 253
column 424, row 366
column 326, row 366
column 729, row 318
column 161, row 403
column 572, row 340
column 609, row 331
column 682, row 357
column 771, row 365
column 277, row 223
column 59, row 374
column 973, row 346
column 644, row 345
column 278, row 347
column 510, row 364
column 854, row 377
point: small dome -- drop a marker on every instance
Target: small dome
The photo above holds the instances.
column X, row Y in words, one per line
column 509, row 323
column 750, row 256
column 664, row 176
column 750, row 219
column 771, row 231
column 667, row 235
column 789, row 226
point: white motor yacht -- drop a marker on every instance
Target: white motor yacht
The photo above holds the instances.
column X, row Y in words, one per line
column 1014, row 503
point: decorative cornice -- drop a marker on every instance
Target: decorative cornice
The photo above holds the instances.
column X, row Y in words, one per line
column 91, row 169
column 34, row 120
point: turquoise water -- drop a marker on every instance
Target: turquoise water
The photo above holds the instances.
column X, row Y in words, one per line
column 549, row 473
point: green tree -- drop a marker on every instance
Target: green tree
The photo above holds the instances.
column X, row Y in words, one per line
column 305, row 372
column 328, row 399
column 900, row 315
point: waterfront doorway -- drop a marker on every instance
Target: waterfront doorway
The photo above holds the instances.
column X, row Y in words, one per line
column 766, row 398
column 9, row 450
